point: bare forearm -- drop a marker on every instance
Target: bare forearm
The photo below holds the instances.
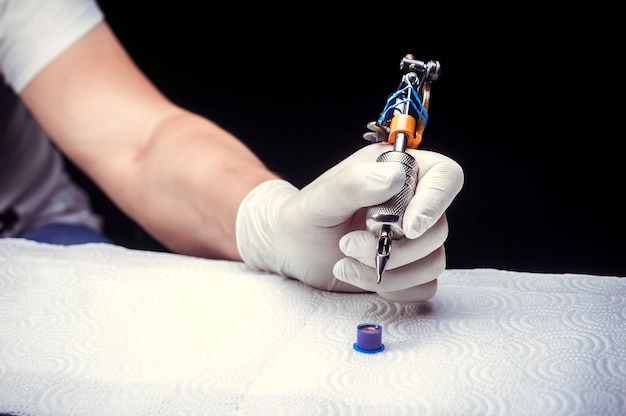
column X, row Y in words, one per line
column 187, row 184
column 177, row 174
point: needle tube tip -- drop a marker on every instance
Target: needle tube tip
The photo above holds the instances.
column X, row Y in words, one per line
column 382, row 255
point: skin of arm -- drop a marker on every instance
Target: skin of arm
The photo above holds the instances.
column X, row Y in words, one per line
column 177, row 174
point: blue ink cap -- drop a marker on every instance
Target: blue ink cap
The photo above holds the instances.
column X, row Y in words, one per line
column 369, row 338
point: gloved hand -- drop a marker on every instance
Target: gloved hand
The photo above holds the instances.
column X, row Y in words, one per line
column 317, row 235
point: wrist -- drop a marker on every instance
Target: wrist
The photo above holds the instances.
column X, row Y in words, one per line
column 257, row 223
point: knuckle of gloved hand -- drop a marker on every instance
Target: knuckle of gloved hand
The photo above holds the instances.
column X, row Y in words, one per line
column 430, row 240
column 418, row 293
column 450, row 173
column 439, row 231
column 416, row 273
column 456, row 171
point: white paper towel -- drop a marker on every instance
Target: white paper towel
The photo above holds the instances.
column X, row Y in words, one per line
column 102, row 330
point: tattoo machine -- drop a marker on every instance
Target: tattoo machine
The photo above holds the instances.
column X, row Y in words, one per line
column 401, row 123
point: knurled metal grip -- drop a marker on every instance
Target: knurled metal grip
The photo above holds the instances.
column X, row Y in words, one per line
column 391, row 212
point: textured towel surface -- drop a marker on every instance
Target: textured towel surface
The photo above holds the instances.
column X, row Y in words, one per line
column 102, row 330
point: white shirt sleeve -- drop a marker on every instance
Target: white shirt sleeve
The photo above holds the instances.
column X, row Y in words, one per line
column 35, row 32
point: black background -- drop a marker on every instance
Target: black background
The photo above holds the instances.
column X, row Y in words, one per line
column 522, row 103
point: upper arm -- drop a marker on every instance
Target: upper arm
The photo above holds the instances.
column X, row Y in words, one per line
column 96, row 105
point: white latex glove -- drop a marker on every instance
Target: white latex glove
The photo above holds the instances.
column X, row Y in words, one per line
column 317, row 235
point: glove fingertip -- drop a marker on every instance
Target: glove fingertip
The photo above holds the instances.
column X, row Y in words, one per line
column 344, row 244
column 345, row 271
column 414, row 227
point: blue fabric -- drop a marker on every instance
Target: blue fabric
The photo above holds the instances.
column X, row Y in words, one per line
column 65, row 234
